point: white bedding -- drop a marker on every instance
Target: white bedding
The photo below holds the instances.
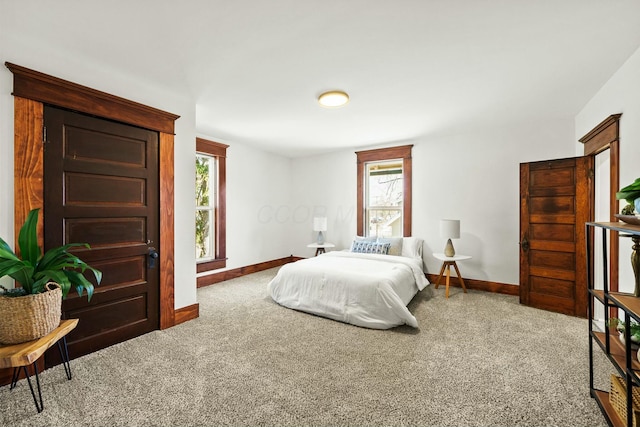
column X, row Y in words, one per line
column 367, row 290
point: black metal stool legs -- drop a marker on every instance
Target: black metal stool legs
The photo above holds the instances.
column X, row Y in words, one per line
column 14, row 378
column 14, row 381
column 64, row 355
column 39, row 405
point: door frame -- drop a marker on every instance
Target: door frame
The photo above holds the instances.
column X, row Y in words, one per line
column 606, row 135
column 31, row 90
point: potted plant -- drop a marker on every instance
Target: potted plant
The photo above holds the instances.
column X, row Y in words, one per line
column 34, row 309
column 631, row 194
column 619, row 325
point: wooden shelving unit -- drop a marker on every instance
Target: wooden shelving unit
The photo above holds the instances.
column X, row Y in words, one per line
column 621, row 356
column 602, row 398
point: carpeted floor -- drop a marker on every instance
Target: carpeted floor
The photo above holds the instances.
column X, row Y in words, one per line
column 478, row 359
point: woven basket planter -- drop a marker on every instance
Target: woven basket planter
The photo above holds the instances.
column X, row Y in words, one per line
column 618, row 399
column 30, row 317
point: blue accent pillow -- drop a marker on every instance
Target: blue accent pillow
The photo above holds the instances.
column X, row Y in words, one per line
column 364, row 247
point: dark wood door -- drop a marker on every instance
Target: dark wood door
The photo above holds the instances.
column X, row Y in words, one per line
column 101, row 188
column 554, row 206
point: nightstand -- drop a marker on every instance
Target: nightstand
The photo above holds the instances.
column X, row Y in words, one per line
column 320, row 248
column 447, row 262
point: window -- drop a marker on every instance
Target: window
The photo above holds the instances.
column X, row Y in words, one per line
column 210, row 205
column 384, row 192
column 384, row 198
column 206, row 201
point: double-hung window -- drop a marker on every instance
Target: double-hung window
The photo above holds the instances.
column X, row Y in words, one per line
column 384, row 192
column 210, row 205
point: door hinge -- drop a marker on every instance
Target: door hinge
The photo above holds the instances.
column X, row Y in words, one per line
column 591, row 174
column 44, row 134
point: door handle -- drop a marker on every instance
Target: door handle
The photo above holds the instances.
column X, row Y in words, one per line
column 525, row 244
column 153, row 256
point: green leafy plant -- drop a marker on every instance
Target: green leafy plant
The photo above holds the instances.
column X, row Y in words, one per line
column 34, row 270
column 630, row 193
column 618, row 324
column 202, row 199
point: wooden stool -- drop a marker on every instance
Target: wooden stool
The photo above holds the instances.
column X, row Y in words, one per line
column 19, row 356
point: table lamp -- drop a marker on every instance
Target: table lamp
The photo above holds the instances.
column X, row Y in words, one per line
column 320, row 225
column 450, row 229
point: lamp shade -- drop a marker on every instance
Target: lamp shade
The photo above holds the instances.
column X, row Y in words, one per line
column 450, row 228
column 320, row 223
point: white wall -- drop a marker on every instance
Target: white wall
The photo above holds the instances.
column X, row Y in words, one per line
column 621, row 94
column 6, row 156
column 22, row 50
column 258, row 183
column 473, row 177
column 323, row 185
column 601, row 213
column 258, row 198
column 271, row 200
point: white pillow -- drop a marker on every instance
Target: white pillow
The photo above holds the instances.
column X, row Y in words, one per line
column 365, row 239
column 395, row 244
column 412, row 247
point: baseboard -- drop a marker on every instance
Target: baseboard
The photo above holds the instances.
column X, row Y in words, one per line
column 187, row 313
column 481, row 285
column 214, row 278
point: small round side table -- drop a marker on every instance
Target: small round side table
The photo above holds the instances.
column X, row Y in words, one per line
column 320, row 248
column 447, row 262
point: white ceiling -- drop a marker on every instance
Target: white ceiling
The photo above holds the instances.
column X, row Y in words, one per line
column 413, row 68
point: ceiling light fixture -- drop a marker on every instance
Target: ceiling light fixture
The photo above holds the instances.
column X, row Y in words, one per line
column 334, row 98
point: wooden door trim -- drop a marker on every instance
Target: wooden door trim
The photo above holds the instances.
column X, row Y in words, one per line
column 28, row 170
column 379, row 154
column 167, row 246
column 524, row 219
column 600, row 137
column 606, row 135
column 47, row 89
column 29, row 161
column 584, row 213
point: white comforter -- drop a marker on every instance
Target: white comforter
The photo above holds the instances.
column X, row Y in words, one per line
column 362, row 289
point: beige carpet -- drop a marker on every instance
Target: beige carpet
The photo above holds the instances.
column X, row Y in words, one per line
column 478, row 359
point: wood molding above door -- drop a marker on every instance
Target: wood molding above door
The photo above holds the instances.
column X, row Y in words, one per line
column 41, row 87
column 602, row 136
column 31, row 90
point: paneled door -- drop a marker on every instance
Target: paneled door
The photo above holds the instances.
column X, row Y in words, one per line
column 101, row 187
column 555, row 203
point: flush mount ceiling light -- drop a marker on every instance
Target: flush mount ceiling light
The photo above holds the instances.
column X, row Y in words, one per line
column 334, row 98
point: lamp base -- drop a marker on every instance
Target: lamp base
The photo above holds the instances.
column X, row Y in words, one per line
column 320, row 240
column 448, row 249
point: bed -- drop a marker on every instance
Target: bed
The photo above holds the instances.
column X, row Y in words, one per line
column 371, row 290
